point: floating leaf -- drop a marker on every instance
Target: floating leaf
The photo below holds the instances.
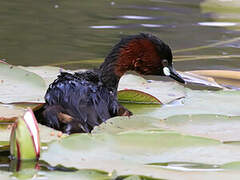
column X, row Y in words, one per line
column 123, row 124
column 232, row 165
column 136, row 177
column 135, row 96
column 195, row 81
column 226, row 78
column 134, row 88
column 9, row 113
column 17, row 85
column 129, row 151
column 223, row 128
column 196, row 102
column 48, row 73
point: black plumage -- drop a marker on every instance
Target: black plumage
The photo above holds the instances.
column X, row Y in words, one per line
column 83, row 97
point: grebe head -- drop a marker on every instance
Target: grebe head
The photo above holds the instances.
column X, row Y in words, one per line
column 143, row 53
column 154, row 57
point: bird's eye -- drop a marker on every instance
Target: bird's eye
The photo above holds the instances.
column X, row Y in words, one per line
column 164, row 63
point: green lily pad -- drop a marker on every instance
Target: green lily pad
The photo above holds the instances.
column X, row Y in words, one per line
column 9, row 113
column 135, row 96
column 87, row 174
column 47, row 73
column 195, row 81
column 19, row 85
column 136, row 89
column 129, row 152
column 132, row 123
column 126, row 151
column 223, row 128
column 196, row 102
column 223, row 77
column 136, row 177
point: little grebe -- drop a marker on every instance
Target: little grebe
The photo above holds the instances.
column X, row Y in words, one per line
column 78, row 102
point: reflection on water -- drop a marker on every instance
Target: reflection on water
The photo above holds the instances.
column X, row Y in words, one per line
column 218, row 24
column 29, row 168
column 49, row 32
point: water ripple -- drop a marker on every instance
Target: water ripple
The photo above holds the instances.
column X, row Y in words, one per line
column 127, row 26
column 218, row 24
column 137, row 17
column 104, row 27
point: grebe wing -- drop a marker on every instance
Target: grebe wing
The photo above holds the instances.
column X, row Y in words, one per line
column 86, row 102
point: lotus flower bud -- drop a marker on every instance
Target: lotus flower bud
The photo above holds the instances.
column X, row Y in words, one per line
column 24, row 140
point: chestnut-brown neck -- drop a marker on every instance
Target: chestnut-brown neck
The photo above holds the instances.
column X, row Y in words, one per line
column 138, row 54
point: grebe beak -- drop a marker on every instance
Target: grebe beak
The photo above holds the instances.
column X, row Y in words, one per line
column 172, row 73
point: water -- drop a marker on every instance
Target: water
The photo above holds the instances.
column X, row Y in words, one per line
column 49, row 32
column 57, row 31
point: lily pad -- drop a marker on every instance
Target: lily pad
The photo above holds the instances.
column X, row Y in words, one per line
column 17, row 85
column 124, row 124
column 223, row 128
column 196, row 81
column 9, row 113
column 48, row 73
column 135, row 96
column 128, row 152
column 134, row 88
column 229, row 79
column 87, row 174
column 196, row 102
